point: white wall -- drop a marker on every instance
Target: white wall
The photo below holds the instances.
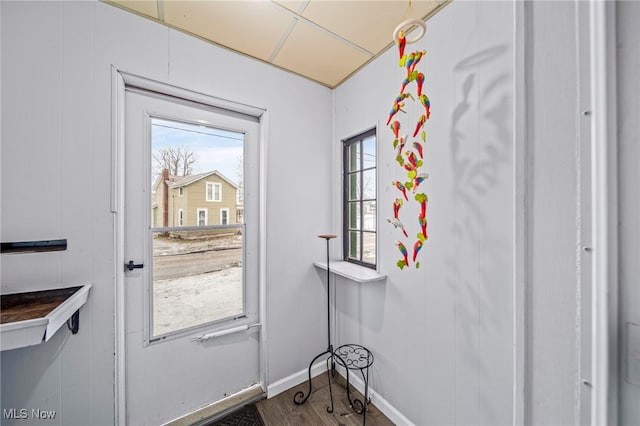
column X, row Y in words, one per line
column 442, row 335
column 56, row 183
column 508, row 217
column 628, row 34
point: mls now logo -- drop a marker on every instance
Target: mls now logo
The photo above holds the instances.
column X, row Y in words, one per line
column 42, row 414
column 15, row 413
column 23, row 413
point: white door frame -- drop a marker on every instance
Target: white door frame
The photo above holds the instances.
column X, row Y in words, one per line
column 120, row 81
column 604, row 189
column 604, row 238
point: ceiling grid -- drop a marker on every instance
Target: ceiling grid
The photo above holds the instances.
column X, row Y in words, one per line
column 324, row 40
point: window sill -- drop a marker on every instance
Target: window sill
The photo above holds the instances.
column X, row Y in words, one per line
column 351, row 271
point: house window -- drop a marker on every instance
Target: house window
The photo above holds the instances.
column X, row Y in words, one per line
column 360, row 199
column 202, row 217
column 214, row 191
column 180, row 216
column 181, row 191
column 224, row 216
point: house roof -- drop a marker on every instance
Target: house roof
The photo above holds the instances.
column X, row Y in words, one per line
column 178, row 181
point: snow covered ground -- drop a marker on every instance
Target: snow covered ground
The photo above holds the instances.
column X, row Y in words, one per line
column 186, row 301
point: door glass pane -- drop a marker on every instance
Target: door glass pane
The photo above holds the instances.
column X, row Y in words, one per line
column 197, row 274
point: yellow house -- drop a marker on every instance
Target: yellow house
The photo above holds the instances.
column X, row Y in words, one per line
column 195, row 200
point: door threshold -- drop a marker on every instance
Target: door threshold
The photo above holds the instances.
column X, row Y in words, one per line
column 220, row 409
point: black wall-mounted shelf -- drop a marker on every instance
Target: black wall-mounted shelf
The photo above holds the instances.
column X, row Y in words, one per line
column 34, row 246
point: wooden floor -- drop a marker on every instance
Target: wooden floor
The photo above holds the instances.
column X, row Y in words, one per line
column 281, row 410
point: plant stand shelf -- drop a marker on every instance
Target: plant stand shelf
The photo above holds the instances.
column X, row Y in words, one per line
column 31, row 318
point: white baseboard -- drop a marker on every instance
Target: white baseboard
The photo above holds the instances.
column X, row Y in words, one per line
column 382, row 404
column 295, row 379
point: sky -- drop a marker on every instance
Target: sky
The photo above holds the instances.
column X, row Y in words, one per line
column 217, row 149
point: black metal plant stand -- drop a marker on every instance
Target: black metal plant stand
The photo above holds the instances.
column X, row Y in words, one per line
column 357, row 357
column 350, row 356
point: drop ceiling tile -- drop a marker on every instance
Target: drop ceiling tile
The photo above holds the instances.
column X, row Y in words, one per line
column 144, row 7
column 295, row 6
column 354, row 30
column 314, row 53
column 251, row 27
column 368, row 24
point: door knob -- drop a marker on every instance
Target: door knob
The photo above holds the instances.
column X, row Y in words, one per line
column 131, row 266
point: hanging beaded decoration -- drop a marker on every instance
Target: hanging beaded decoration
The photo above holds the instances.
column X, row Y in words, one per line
column 409, row 156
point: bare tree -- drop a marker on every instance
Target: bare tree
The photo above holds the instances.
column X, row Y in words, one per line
column 177, row 159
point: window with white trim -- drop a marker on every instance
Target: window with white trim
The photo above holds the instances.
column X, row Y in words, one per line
column 224, row 216
column 214, row 191
column 180, row 217
column 202, row 217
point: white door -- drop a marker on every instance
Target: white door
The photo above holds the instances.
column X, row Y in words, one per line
column 190, row 282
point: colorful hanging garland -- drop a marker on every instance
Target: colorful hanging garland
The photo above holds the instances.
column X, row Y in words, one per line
column 410, row 156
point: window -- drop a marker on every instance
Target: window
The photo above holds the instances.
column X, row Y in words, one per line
column 214, row 191
column 219, row 286
column 359, row 199
column 202, row 217
column 181, row 191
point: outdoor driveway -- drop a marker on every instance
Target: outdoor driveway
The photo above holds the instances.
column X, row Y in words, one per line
column 185, row 264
